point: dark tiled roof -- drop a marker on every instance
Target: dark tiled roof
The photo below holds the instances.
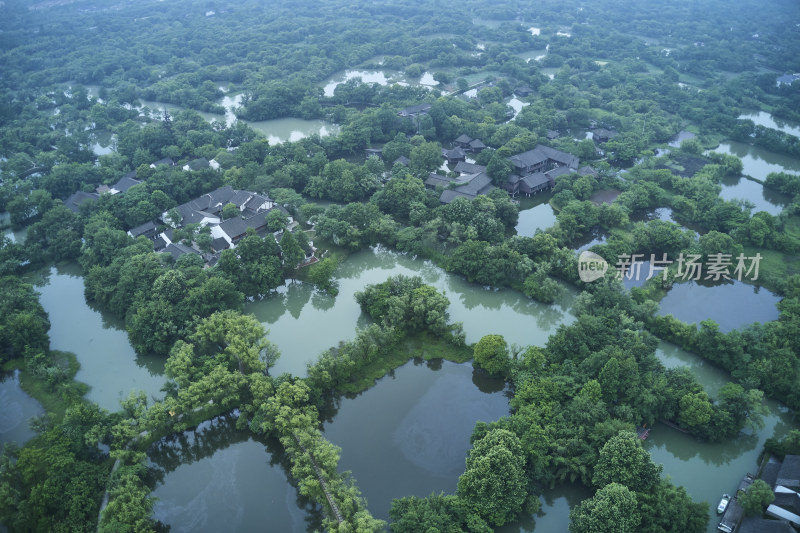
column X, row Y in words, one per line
column 462, row 167
column 476, row 144
column 788, row 500
column 219, row 244
column 558, row 171
column 451, row 194
column 469, row 186
column 177, row 249
column 414, row 110
column 789, row 474
column 463, row 139
column 144, row 229
column 75, row 200
column 762, row 525
column 239, row 198
column 159, row 243
column 237, row 226
column 166, row 161
column 190, row 215
column 125, row 183
column 455, row 153
column 435, row 180
column 541, row 154
column 587, row 171
column 255, row 202
column 769, row 474
column 535, row 180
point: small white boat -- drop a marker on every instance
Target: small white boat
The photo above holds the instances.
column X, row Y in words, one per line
column 723, row 503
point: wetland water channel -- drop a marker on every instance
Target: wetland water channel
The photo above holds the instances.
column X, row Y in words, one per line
column 412, row 428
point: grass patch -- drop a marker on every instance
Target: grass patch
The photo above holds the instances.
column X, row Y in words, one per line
column 775, row 267
column 54, row 398
column 423, row 346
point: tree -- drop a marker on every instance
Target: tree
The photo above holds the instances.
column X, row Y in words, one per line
column 623, row 460
column 276, row 220
column 425, row 158
column 493, row 483
column 611, row 510
column 437, row 512
column 230, row 211
column 756, row 498
column 499, row 168
column 321, row 274
column 696, row 409
column 669, row 509
column 491, row 354
column 291, row 251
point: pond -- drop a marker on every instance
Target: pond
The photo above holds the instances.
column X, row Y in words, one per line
column 303, row 323
column 711, row 377
column 762, row 118
column 759, row 162
column 109, row 365
column 367, row 76
column 533, row 55
column 732, row 305
column 764, row 198
column 277, row 131
column 605, row 196
column 517, row 105
column 540, row 217
column 706, row 469
column 215, row 478
column 104, row 143
column 18, row 409
column 550, row 72
column 681, row 136
column 663, row 213
column 409, row 434
column 595, row 236
column 17, row 236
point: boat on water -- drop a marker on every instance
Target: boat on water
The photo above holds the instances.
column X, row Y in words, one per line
column 723, row 503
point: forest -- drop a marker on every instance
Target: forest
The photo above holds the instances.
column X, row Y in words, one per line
column 95, row 92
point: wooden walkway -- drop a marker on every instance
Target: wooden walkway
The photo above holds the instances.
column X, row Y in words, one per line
column 334, row 508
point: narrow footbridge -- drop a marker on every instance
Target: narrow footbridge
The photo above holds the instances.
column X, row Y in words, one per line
column 334, row 508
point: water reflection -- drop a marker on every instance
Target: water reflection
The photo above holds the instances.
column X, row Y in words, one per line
column 216, row 478
column 763, row 198
column 712, row 378
column 18, row 409
column 409, row 434
column 762, row 118
column 707, row 469
column 759, row 162
column 276, row 131
column 554, row 515
column 109, row 365
column 302, row 335
column 732, row 305
column 540, row 217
